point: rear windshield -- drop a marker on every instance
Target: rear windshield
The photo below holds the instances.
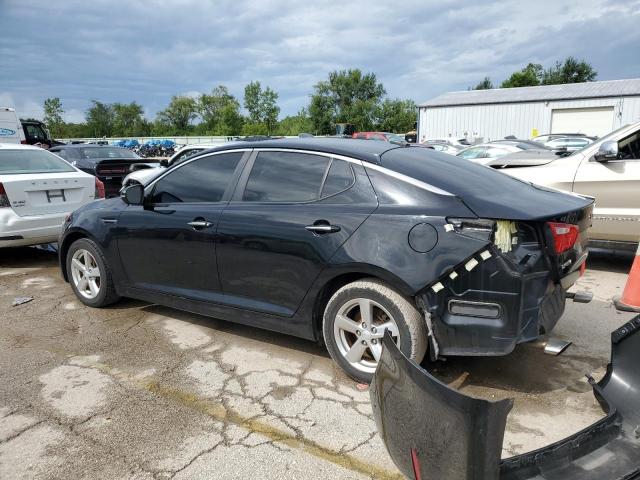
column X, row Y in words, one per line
column 31, row 161
column 105, row 152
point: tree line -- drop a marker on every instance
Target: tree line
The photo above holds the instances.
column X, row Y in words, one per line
column 570, row 70
column 346, row 96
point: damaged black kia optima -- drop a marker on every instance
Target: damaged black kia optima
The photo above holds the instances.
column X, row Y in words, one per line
column 340, row 240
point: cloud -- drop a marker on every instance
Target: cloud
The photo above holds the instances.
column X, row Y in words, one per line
column 148, row 51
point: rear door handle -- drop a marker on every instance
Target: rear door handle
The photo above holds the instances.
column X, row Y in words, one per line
column 198, row 224
column 322, row 228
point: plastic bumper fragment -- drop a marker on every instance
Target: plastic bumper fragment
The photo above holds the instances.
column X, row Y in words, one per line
column 434, row 431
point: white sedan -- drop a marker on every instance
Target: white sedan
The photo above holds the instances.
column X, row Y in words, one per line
column 486, row 152
column 37, row 191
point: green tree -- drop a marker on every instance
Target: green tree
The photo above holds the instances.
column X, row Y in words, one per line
column 252, row 93
column 177, row 117
column 129, row 121
column 263, row 109
column 397, row 115
column 347, row 96
column 53, row 116
column 99, row 118
column 220, row 112
column 484, row 85
column 295, row 124
column 322, row 110
column 569, row 71
column 529, row 76
column 269, row 109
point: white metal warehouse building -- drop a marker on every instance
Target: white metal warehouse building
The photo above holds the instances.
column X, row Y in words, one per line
column 593, row 108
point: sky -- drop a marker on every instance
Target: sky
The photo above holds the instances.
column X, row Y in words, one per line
column 147, row 51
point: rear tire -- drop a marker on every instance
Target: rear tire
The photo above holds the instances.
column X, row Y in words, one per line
column 89, row 274
column 353, row 337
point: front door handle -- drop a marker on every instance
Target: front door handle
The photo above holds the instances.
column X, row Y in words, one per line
column 322, row 228
column 198, row 224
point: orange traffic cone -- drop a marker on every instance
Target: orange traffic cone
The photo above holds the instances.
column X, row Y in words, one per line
column 630, row 300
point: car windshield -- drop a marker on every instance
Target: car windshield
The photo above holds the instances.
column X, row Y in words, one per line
column 14, row 162
column 105, row 152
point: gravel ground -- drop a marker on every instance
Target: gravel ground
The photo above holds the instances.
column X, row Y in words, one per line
column 142, row 391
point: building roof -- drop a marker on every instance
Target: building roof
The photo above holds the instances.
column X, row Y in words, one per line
column 569, row 91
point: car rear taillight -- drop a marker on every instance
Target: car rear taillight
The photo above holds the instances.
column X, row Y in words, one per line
column 564, row 235
column 4, row 199
column 99, row 189
column 23, row 142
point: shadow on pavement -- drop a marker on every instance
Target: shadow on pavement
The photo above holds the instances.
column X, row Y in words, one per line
column 28, row 257
column 244, row 331
column 526, row 370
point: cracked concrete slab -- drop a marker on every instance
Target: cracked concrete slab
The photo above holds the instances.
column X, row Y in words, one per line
column 142, row 391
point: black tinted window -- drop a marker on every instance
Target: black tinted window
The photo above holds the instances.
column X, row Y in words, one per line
column 285, row 177
column 203, row 180
column 340, row 178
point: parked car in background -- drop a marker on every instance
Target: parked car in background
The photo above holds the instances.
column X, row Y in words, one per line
column 442, row 145
column 607, row 169
column 110, row 164
column 569, row 144
column 485, row 152
column 552, row 136
column 341, row 240
column 37, row 191
column 381, row 136
column 521, row 144
column 10, row 127
column 143, row 173
column 447, row 140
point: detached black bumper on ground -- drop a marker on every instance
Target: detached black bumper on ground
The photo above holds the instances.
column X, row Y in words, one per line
column 434, row 432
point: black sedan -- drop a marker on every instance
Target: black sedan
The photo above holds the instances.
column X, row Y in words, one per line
column 109, row 164
column 340, row 240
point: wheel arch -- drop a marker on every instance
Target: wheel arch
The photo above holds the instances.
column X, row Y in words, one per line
column 334, row 280
column 63, row 248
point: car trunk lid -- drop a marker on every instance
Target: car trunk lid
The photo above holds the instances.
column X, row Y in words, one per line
column 41, row 194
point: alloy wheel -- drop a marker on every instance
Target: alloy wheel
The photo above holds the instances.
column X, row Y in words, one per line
column 358, row 330
column 85, row 273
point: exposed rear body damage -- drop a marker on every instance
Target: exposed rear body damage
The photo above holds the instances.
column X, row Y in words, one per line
column 509, row 292
column 432, row 431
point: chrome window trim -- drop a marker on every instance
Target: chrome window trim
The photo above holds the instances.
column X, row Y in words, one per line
column 398, row 176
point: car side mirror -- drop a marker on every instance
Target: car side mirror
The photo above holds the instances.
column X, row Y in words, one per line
column 133, row 194
column 164, row 163
column 607, row 151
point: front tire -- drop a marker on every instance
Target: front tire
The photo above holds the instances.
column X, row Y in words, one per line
column 355, row 320
column 89, row 274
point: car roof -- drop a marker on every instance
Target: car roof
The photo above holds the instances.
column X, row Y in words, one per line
column 18, row 146
column 365, row 150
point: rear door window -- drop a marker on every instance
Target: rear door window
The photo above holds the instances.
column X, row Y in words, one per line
column 203, row 180
column 286, row 177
